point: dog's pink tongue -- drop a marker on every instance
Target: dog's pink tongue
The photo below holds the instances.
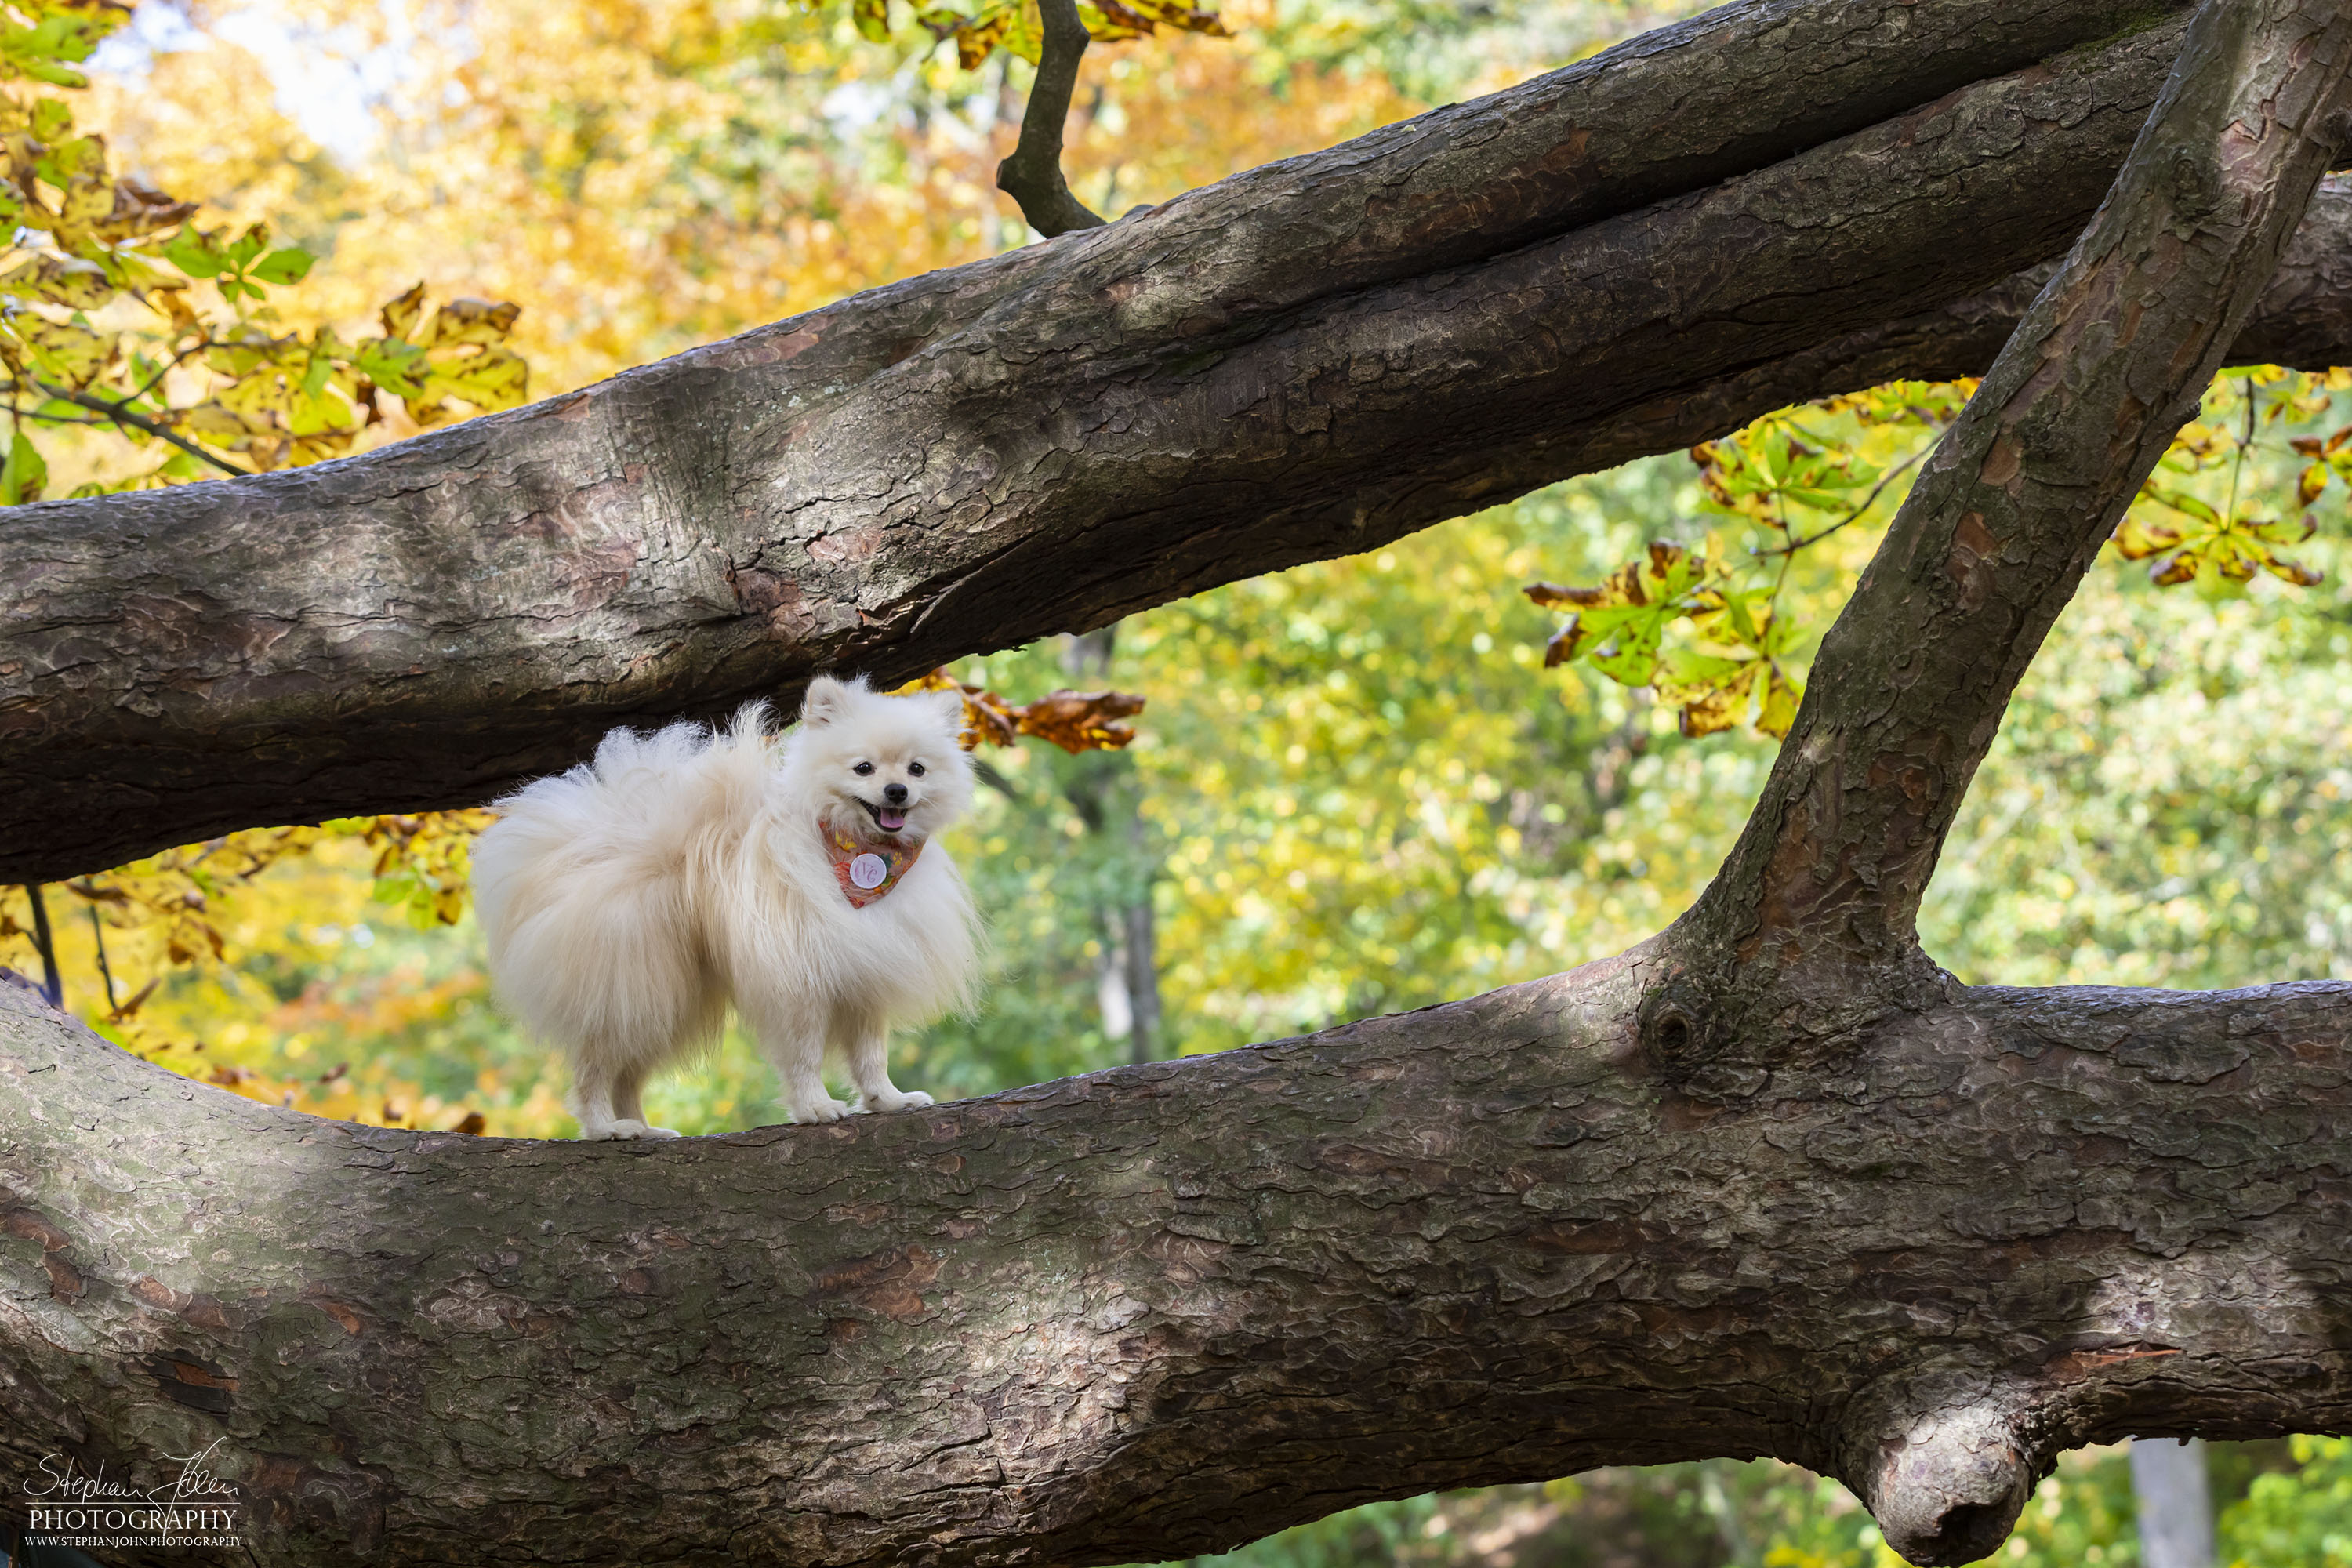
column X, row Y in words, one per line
column 890, row 819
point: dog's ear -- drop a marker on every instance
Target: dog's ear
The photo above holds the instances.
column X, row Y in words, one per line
column 951, row 709
column 826, row 701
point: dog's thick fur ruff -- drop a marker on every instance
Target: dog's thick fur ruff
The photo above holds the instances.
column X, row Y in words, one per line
column 629, row 899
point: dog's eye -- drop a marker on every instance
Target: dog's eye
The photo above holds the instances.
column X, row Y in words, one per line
column 862, row 768
column 915, row 770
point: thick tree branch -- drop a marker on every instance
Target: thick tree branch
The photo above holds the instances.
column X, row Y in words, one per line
column 1304, row 361
column 1032, row 174
column 1911, row 683
column 1163, row 1309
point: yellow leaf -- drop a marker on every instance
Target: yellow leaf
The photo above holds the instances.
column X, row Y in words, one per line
column 62, row 353
column 484, row 321
column 66, row 280
column 401, row 314
column 1779, row 710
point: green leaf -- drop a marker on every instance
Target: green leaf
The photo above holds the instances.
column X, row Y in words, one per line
column 1688, row 667
column 1743, row 625
column 1820, row 500
column 1631, row 657
column 2181, row 502
column 23, row 475
column 290, row 264
column 247, row 245
column 194, row 253
column 84, row 155
column 397, row 366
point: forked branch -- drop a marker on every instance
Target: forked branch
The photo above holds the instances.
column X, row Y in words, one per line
column 2106, row 366
column 1033, row 175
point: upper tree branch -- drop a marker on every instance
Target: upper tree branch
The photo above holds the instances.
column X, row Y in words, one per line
column 1299, row 363
column 1032, row 174
column 2110, row 361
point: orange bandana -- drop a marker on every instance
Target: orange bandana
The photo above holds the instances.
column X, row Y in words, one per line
column 867, row 872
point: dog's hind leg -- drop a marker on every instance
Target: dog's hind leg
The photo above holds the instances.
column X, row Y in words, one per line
column 605, row 1091
column 628, row 1102
column 869, row 1050
column 591, row 1097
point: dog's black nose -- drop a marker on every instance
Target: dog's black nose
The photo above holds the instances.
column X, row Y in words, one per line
column 894, row 793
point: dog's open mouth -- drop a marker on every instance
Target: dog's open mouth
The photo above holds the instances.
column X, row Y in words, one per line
column 888, row 818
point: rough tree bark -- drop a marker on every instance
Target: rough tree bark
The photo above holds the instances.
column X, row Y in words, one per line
column 1770, row 1183
column 1302, row 361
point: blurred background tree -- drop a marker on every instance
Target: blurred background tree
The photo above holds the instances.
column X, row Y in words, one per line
column 1358, row 788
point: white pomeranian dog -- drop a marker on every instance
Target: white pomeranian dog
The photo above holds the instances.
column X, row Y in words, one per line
column 628, row 900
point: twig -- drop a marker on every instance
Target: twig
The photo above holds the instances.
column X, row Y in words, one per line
column 175, row 364
column 987, row 774
column 2238, row 468
column 92, row 420
column 53, row 984
column 123, row 415
column 1033, row 175
column 1868, row 501
column 98, row 934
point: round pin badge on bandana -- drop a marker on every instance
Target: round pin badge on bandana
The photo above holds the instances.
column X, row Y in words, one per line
column 869, row 872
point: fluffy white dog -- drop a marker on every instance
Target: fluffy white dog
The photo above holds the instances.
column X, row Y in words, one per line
column 627, row 900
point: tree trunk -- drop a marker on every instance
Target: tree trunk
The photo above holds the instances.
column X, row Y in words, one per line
column 2176, row 1503
column 1303, row 360
column 1140, row 956
column 1109, row 802
column 1770, row 1183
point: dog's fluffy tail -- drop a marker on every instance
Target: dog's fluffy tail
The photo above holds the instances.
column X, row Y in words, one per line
column 584, row 889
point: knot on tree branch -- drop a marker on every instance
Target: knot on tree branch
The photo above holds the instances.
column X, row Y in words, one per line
column 1947, row 1487
column 1717, row 1031
column 2193, row 185
column 1675, row 1029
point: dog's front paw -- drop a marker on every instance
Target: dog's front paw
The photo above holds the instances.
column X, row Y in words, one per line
column 825, row 1110
column 898, row 1099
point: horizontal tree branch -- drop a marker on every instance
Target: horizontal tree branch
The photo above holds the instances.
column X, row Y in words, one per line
column 1303, row 360
column 1163, row 1309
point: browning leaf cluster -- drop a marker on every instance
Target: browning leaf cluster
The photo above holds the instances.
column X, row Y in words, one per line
column 1729, row 672
column 984, row 27
column 1075, row 721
